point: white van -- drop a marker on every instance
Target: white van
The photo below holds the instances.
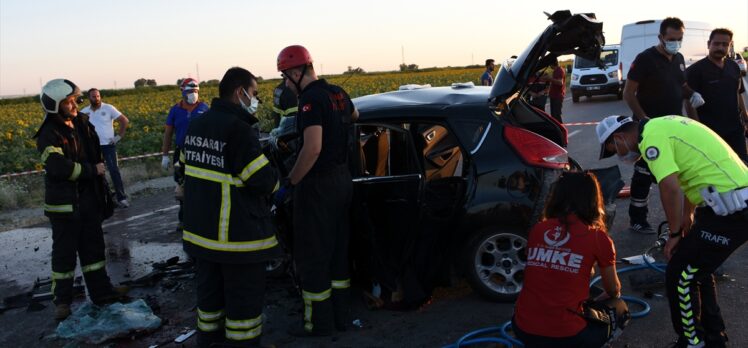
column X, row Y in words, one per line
column 588, row 79
column 637, row 37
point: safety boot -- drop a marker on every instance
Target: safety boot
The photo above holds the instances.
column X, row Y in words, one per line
column 118, row 294
column 62, row 311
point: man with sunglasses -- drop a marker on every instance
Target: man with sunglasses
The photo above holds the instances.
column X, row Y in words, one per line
column 697, row 173
column 655, row 86
column 73, row 197
column 322, row 193
column 717, row 77
column 176, row 122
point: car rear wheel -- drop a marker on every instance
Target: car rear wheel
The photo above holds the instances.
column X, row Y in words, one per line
column 575, row 98
column 496, row 264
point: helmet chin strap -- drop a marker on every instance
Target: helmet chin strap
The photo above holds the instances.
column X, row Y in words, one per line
column 298, row 83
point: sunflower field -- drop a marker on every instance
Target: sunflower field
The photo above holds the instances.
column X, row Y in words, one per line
column 146, row 108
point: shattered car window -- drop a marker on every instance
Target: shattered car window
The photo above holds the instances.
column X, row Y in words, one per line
column 385, row 151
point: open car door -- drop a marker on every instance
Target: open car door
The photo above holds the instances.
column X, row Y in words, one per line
column 578, row 34
column 387, row 183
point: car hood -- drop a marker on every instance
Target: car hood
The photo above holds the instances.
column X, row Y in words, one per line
column 579, row 34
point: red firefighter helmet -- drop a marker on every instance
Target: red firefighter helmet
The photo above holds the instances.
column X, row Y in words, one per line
column 293, row 56
column 189, row 84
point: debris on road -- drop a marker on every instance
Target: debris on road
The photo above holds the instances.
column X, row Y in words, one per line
column 93, row 324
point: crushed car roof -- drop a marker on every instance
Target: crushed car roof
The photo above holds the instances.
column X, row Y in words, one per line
column 426, row 100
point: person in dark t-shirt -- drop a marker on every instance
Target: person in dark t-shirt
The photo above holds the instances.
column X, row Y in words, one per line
column 322, row 192
column 655, row 86
column 718, row 80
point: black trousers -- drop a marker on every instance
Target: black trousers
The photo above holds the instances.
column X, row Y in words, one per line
column 321, row 234
column 539, row 102
column 83, row 237
column 641, row 183
column 736, row 140
column 556, row 105
column 594, row 335
column 689, row 281
column 230, row 298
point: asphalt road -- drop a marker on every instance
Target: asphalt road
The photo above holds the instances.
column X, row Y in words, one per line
column 143, row 234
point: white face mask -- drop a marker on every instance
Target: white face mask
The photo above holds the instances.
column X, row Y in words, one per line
column 630, row 157
column 191, row 98
column 253, row 103
column 672, row 47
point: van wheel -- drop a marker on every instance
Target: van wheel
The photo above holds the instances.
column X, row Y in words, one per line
column 496, row 264
column 575, row 98
column 619, row 95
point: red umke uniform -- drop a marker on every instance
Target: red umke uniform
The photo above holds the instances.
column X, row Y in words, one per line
column 557, row 276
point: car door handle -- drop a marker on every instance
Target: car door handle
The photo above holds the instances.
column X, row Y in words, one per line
column 396, row 200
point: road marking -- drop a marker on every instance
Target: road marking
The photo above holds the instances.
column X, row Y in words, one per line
column 115, row 223
column 573, row 133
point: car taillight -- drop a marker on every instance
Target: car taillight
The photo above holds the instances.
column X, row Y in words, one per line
column 535, row 149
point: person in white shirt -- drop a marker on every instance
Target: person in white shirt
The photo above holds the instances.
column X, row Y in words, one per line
column 102, row 116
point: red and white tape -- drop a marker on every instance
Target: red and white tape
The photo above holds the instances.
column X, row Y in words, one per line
column 581, row 124
column 122, row 159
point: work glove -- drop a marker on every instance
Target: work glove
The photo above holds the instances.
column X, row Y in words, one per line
column 283, row 194
column 165, row 161
column 116, row 139
column 697, row 100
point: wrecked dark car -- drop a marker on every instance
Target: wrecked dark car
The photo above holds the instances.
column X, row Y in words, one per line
column 448, row 180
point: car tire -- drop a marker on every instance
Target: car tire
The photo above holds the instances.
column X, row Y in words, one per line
column 495, row 262
column 575, row 98
column 619, row 95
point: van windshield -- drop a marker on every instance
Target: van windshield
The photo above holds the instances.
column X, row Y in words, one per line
column 609, row 58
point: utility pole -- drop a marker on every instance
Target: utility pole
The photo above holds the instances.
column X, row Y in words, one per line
column 115, row 84
column 402, row 52
column 472, row 58
column 197, row 70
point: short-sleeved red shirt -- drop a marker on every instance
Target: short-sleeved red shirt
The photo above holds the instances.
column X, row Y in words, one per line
column 557, row 276
column 558, row 91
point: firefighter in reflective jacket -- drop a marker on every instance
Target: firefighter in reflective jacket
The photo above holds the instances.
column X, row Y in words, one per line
column 227, row 223
column 284, row 104
column 73, row 196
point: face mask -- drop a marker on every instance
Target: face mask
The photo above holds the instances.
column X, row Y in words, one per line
column 672, row 47
column 630, row 157
column 253, row 103
column 191, row 98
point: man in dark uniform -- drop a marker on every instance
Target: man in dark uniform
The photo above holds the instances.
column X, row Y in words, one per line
column 655, row 86
column 227, row 221
column 718, row 79
column 73, row 197
column 322, row 193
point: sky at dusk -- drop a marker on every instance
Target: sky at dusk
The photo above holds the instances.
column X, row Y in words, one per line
column 103, row 43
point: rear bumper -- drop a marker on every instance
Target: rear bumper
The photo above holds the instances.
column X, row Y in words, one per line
column 608, row 88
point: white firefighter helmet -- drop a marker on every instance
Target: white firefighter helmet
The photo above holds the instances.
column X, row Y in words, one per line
column 56, row 91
